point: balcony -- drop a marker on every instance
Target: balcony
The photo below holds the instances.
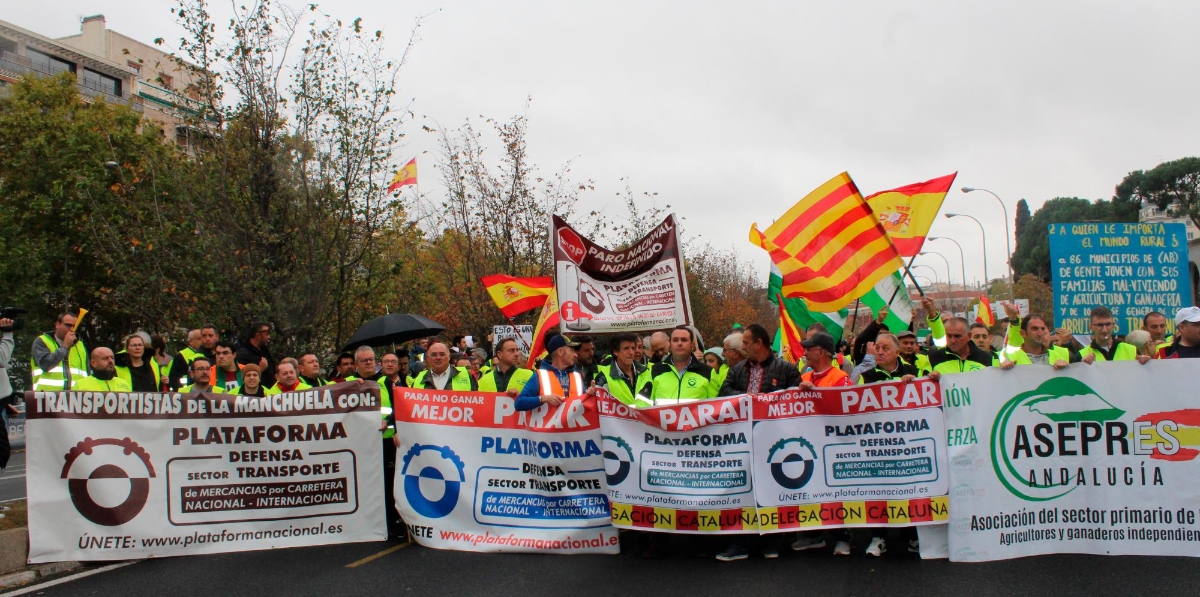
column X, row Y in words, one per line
column 20, row 65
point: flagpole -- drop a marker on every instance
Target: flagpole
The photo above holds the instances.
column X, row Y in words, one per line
column 910, row 277
column 520, row 340
column 854, row 315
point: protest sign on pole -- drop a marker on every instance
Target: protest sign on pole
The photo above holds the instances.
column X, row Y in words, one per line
column 523, row 334
column 140, row 475
column 1132, row 269
column 475, row 474
column 845, row 457
column 683, row 468
column 1097, row 459
column 639, row 288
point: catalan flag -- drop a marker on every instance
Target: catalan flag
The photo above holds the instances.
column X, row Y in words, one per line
column 515, row 296
column 789, row 335
column 548, row 320
column 829, row 247
column 404, row 177
column 984, row 312
column 907, row 213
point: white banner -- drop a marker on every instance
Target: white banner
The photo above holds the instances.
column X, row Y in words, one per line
column 1097, row 459
column 523, row 334
column 600, row 291
column 474, row 474
column 868, row 455
column 683, row 468
column 123, row 476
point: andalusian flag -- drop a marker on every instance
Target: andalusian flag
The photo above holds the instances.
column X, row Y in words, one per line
column 907, row 213
column 546, row 321
column 983, row 312
column 404, row 177
column 515, row 296
column 789, row 335
column 830, row 247
column 899, row 313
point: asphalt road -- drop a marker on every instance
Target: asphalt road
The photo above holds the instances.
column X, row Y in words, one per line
column 414, row 570
column 12, row 479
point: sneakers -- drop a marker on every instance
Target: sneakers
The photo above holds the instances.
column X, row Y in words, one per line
column 733, row 554
column 804, row 543
column 876, row 547
column 841, row 549
column 770, row 553
column 914, row 546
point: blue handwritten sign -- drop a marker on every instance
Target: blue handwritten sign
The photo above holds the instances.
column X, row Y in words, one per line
column 1132, row 269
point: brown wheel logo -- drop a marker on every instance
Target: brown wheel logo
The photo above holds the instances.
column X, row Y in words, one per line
column 95, row 462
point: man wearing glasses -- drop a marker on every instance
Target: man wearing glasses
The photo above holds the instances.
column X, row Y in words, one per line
column 1104, row 346
column 255, row 351
column 200, row 372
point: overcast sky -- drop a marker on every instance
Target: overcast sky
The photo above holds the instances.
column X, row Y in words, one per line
column 734, row 111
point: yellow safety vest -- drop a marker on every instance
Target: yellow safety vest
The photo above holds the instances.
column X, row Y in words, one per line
column 54, row 379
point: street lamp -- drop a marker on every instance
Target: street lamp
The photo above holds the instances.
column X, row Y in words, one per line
column 949, row 284
column 982, row 235
column 1007, row 239
column 961, row 260
column 931, row 271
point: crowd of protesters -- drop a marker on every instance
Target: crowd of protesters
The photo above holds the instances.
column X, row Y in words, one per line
column 639, row 370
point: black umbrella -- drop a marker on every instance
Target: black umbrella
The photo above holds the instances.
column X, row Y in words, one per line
column 393, row 328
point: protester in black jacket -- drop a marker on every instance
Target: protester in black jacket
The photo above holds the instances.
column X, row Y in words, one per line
column 777, row 374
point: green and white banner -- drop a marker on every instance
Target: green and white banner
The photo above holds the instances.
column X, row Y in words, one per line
column 1097, row 459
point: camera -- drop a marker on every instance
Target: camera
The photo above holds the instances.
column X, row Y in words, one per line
column 12, row 313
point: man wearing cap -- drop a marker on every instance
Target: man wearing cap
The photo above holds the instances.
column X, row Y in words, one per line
column 681, row 374
column 1186, row 344
column 819, row 352
column 910, row 352
column 556, row 378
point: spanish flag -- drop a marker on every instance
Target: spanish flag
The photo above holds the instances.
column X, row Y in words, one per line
column 515, row 296
column 548, row 320
column 789, row 335
column 404, row 177
column 830, row 247
column 907, row 213
column 984, row 312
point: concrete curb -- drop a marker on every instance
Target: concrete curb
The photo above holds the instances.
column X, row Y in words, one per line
column 36, row 572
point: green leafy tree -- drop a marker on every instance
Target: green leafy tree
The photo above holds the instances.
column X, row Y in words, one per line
column 1023, row 218
column 1032, row 254
column 1176, row 182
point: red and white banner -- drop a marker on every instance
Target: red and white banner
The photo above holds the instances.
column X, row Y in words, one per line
column 601, row 291
column 684, row 468
column 475, row 474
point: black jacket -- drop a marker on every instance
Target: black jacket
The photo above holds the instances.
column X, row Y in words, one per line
column 249, row 355
column 779, row 375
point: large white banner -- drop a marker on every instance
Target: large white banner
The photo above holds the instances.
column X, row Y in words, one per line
column 642, row 287
column 1097, row 459
column 474, row 474
column 868, row 455
column 123, row 476
column 683, row 468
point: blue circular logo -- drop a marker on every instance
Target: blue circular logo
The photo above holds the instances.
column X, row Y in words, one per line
column 433, row 477
column 618, row 459
column 792, row 462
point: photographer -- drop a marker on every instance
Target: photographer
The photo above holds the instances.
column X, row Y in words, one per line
column 52, row 351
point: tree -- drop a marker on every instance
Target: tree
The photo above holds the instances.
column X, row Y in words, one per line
column 1170, row 183
column 1023, row 218
column 1032, row 254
